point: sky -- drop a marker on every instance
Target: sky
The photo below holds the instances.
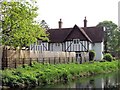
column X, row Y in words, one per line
column 73, row 12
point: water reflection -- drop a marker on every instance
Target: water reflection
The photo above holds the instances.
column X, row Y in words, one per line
column 110, row 80
column 102, row 81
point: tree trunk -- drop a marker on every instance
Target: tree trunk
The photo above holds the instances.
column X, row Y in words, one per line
column 19, row 54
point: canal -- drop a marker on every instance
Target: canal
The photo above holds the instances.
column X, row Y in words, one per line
column 109, row 80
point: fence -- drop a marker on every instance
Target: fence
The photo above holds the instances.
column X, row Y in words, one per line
column 13, row 63
column 13, row 58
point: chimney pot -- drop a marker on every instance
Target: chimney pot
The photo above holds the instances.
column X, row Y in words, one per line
column 60, row 24
column 85, row 22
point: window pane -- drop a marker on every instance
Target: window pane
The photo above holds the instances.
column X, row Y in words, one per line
column 76, row 41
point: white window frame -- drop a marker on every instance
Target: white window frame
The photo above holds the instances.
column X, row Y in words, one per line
column 76, row 41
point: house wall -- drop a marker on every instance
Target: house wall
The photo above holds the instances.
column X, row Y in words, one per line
column 81, row 46
column 42, row 47
column 98, row 48
column 69, row 46
column 90, row 46
column 56, row 46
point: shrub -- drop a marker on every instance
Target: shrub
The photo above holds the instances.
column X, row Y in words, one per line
column 108, row 57
column 91, row 55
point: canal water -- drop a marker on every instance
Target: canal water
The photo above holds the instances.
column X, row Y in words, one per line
column 110, row 80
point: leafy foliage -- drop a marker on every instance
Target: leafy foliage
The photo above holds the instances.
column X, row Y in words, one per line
column 19, row 29
column 108, row 57
column 116, row 44
column 92, row 55
column 49, row 73
column 110, row 35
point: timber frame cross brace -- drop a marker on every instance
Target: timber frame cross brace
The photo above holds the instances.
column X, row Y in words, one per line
column 81, row 44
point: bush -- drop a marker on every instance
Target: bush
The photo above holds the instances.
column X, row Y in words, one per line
column 91, row 55
column 108, row 57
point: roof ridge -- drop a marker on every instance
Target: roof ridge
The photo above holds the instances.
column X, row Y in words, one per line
column 82, row 30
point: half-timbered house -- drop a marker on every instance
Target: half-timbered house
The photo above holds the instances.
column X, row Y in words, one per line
column 76, row 39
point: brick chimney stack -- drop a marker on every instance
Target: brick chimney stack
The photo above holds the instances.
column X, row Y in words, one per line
column 60, row 24
column 85, row 22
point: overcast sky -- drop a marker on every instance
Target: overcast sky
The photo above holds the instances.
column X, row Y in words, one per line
column 73, row 12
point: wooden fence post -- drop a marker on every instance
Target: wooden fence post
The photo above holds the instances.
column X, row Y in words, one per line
column 6, row 52
column 15, row 63
column 37, row 60
column 80, row 60
column 64, row 60
column 68, row 60
column 76, row 59
column 54, row 60
column 43, row 61
column 49, row 60
column 72, row 59
column 59, row 59
column 23, row 62
column 7, row 62
column 30, row 61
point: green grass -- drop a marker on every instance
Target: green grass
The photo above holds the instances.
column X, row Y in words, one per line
column 40, row 74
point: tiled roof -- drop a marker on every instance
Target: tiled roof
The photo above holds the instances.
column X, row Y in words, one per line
column 96, row 34
column 86, row 34
column 78, row 33
column 92, row 34
column 58, row 35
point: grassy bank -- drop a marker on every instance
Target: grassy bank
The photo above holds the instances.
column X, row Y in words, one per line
column 39, row 74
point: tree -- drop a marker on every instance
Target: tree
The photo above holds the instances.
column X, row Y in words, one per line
column 109, row 36
column 44, row 24
column 19, row 29
column 117, row 39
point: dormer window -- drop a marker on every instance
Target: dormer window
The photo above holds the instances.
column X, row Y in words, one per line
column 76, row 41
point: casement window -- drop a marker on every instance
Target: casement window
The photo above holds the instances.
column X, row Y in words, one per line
column 76, row 41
